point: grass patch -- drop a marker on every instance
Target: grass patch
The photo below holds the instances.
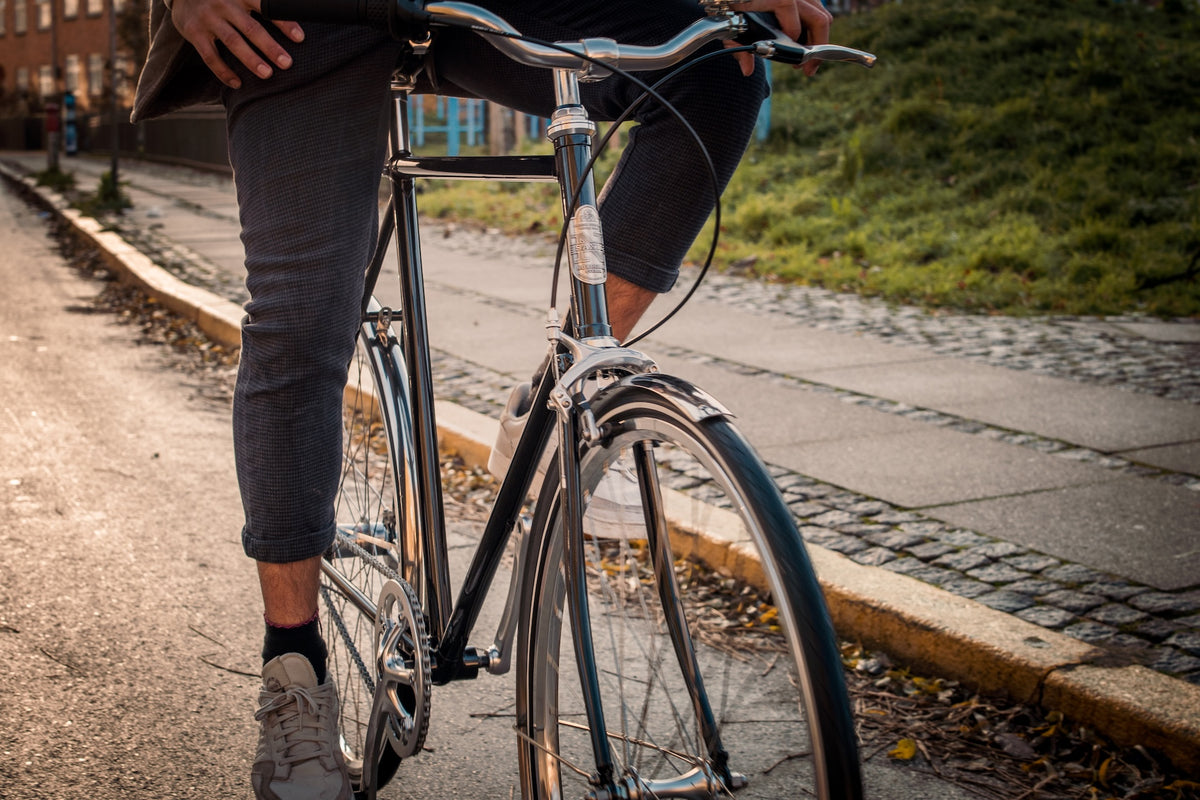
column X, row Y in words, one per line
column 109, row 198
column 56, row 180
column 1030, row 157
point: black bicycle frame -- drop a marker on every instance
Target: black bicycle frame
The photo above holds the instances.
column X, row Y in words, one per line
column 450, row 625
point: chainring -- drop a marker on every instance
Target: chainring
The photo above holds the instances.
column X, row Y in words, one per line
column 403, row 667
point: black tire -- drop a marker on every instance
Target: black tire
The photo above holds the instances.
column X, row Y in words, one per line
column 369, row 502
column 787, row 728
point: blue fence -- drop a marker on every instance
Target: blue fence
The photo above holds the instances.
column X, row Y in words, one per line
column 462, row 122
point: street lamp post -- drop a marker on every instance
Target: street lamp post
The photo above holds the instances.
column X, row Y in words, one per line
column 53, row 136
column 112, row 62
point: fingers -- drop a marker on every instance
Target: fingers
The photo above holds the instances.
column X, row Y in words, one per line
column 806, row 21
column 816, row 21
column 744, row 60
column 205, row 22
column 292, row 30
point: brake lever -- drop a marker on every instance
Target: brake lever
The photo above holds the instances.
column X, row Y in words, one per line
column 772, row 43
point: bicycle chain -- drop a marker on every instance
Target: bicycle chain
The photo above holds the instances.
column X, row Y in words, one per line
column 345, row 634
column 372, row 560
column 384, row 570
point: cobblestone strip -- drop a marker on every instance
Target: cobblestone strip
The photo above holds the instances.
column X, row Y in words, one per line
column 184, row 263
column 1134, row 622
column 193, row 207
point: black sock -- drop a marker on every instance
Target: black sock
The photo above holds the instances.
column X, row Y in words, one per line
column 304, row 639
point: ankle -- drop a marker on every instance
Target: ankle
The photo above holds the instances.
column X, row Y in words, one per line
column 303, row 638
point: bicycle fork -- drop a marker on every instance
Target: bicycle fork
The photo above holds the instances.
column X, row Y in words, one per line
column 571, row 131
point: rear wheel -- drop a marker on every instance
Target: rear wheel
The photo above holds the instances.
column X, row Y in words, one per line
column 364, row 555
column 708, row 685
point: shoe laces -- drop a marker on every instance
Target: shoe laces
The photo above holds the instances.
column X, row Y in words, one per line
column 298, row 722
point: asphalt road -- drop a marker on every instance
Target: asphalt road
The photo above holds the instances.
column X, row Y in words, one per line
column 129, row 618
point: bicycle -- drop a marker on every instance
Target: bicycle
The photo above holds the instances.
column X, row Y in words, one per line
column 647, row 707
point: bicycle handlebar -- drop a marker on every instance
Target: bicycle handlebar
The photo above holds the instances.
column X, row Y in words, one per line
column 409, row 19
column 631, row 58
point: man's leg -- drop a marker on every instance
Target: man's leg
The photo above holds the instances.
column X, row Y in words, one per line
column 290, row 590
column 626, row 303
column 289, row 594
column 307, row 147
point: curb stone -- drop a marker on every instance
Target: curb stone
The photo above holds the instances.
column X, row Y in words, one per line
column 915, row 622
column 219, row 318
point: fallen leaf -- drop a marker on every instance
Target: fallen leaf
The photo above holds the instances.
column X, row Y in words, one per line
column 1015, row 746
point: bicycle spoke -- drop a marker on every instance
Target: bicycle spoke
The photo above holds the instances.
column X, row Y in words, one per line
column 650, row 656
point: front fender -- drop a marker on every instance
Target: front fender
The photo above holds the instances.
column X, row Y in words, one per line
column 691, row 401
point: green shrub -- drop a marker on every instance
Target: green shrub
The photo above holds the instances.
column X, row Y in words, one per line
column 109, row 198
column 56, row 180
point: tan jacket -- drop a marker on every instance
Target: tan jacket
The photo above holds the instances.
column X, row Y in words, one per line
column 174, row 76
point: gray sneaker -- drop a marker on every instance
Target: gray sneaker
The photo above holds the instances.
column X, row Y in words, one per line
column 614, row 509
column 298, row 757
column 512, row 423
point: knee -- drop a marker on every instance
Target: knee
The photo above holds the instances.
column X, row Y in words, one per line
column 301, row 331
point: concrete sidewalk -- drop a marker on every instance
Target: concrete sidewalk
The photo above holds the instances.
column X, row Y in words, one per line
column 989, row 499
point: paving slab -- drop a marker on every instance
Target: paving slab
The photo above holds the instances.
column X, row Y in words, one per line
column 1142, row 529
column 776, row 344
column 932, row 467
column 192, row 235
column 1175, row 457
column 470, row 258
column 227, row 254
column 1162, row 331
column 775, row 414
column 508, row 342
column 1096, row 417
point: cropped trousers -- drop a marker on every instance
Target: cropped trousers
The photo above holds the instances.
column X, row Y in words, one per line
column 307, row 147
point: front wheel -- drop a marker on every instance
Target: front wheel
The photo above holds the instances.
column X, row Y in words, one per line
column 709, row 685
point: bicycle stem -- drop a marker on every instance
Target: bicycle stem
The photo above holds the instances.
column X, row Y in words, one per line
column 571, row 132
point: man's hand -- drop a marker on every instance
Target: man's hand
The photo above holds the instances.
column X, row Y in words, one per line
column 805, row 21
column 206, row 22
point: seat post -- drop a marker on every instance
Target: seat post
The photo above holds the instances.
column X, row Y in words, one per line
column 400, row 137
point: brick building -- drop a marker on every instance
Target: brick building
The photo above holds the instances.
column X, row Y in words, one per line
column 75, row 33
